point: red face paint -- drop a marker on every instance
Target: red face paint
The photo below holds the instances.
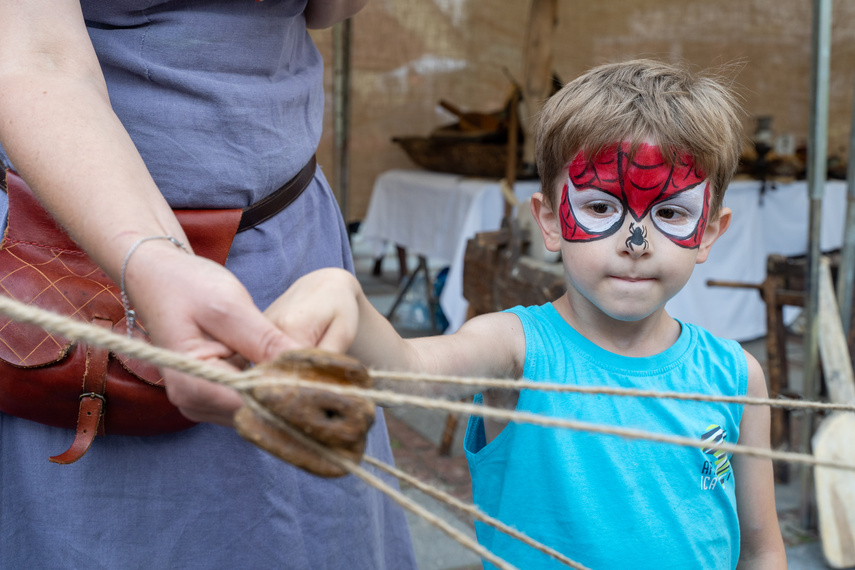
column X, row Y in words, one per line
column 600, row 191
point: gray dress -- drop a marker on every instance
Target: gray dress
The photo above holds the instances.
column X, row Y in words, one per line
column 224, row 100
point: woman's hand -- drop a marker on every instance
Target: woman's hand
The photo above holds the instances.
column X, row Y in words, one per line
column 192, row 305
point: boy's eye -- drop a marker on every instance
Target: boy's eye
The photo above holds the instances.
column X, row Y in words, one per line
column 673, row 214
column 680, row 215
column 667, row 213
column 600, row 208
column 594, row 210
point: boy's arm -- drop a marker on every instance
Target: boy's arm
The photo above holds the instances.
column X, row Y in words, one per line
column 327, row 309
column 761, row 542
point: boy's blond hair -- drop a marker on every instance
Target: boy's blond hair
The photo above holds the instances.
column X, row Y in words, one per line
column 641, row 101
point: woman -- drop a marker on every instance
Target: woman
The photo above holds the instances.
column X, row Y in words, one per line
column 114, row 113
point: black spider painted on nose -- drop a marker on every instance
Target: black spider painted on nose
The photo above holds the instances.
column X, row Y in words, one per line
column 637, row 236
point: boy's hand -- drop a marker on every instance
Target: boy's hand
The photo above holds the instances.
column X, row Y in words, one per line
column 320, row 310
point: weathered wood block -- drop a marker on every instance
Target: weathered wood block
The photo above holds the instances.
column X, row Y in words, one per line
column 496, row 277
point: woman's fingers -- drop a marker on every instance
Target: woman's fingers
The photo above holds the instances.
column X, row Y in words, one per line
column 194, row 306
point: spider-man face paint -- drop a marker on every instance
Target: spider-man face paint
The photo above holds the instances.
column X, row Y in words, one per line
column 600, row 192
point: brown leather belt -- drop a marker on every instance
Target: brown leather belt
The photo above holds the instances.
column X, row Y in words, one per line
column 271, row 205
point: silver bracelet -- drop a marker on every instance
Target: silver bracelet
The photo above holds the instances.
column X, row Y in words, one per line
column 130, row 314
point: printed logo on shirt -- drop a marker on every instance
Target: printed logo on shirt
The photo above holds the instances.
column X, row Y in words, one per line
column 715, row 471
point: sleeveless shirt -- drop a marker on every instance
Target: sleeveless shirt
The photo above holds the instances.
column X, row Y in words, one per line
column 605, row 501
column 224, row 100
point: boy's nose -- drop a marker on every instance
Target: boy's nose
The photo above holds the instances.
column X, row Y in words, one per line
column 634, row 240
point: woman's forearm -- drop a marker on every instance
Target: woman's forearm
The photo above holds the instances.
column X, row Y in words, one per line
column 60, row 132
column 74, row 153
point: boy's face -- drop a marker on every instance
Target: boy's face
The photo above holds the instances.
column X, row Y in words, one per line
column 630, row 232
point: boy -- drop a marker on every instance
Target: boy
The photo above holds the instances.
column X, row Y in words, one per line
column 634, row 159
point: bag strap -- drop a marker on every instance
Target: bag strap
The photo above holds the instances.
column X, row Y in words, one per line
column 92, row 400
column 210, row 232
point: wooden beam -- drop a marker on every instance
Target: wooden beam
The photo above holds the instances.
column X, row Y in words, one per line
column 833, row 348
column 537, row 68
column 835, row 489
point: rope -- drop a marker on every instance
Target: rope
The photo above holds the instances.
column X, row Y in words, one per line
column 391, row 398
column 243, row 381
column 607, row 390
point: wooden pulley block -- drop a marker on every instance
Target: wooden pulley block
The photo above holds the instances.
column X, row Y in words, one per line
column 337, row 422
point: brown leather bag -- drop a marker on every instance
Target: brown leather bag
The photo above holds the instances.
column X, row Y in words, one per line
column 55, row 381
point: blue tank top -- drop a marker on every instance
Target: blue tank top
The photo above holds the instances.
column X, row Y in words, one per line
column 602, row 500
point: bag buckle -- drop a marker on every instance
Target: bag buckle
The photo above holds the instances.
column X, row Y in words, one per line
column 94, row 395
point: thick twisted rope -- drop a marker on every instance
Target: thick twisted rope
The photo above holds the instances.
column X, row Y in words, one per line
column 162, row 357
column 488, row 383
column 243, row 381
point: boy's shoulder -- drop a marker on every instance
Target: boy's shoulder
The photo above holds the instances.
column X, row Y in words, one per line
column 737, row 367
column 705, row 340
column 706, row 337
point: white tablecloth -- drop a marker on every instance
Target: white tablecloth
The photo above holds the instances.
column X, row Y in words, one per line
column 777, row 225
column 434, row 214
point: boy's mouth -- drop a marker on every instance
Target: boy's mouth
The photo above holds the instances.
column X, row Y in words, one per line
column 631, row 279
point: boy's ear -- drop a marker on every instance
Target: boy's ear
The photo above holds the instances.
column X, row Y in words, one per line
column 547, row 221
column 714, row 230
